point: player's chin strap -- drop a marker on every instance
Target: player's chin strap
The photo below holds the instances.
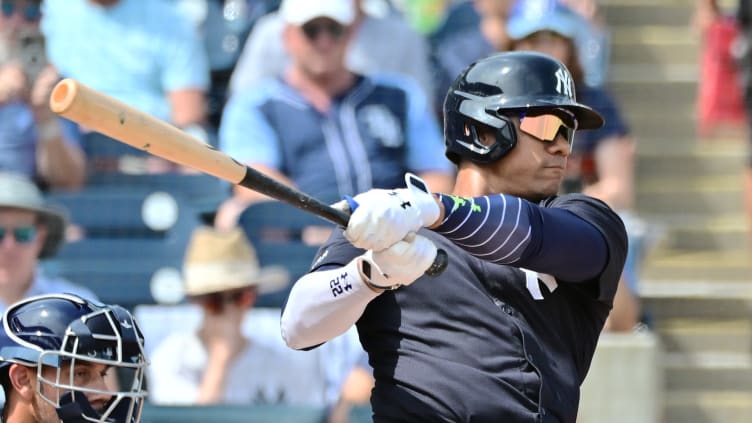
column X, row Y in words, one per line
column 77, row 409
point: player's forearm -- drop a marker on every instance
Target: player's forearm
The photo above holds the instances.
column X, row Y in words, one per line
column 495, row 228
column 323, row 305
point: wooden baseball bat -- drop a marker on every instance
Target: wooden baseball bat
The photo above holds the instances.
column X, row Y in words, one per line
column 116, row 119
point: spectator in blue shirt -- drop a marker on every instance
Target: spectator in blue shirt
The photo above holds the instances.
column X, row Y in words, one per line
column 144, row 53
column 379, row 42
column 323, row 128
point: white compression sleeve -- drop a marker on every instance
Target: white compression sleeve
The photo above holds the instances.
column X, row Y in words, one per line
column 323, row 305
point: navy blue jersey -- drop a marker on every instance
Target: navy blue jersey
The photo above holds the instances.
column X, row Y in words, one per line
column 485, row 342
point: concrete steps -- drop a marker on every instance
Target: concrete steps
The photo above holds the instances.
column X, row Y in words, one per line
column 695, row 284
column 709, row 406
column 730, row 335
column 697, row 265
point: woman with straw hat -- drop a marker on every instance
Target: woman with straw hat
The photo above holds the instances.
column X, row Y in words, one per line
column 218, row 363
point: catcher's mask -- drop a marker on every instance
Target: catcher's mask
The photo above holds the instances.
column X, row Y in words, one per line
column 79, row 341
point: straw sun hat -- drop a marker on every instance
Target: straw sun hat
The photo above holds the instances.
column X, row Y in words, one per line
column 218, row 261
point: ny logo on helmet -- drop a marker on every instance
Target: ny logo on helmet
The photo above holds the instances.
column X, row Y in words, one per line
column 564, row 83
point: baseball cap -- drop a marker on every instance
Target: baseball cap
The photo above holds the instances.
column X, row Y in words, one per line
column 19, row 192
column 298, row 12
column 217, row 261
column 530, row 16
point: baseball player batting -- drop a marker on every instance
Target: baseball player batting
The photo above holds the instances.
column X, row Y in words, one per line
column 507, row 333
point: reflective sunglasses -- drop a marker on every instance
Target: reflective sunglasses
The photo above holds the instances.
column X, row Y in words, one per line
column 547, row 126
column 215, row 303
column 21, row 234
column 32, row 11
column 314, row 29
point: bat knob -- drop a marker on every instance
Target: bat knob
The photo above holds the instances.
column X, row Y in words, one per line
column 439, row 263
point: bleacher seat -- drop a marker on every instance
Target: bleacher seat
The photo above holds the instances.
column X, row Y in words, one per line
column 99, row 146
column 126, row 237
column 204, row 192
column 277, row 230
column 246, row 414
column 233, row 414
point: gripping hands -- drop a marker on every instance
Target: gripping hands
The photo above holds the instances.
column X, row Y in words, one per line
column 381, row 218
column 385, row 223
column 399, row 265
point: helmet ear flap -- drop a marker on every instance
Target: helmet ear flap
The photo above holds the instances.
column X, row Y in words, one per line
column 463, row 139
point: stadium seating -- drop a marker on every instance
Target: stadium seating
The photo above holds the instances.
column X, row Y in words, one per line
column 245, row 414
column 231, row 414
column 125, row 237
column 204, row 192
column 278, row 231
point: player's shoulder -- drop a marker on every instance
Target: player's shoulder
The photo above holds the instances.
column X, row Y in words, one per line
column 592, row 210
column 575, row 201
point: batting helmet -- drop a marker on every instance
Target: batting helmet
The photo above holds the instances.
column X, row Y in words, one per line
column 494, row 88
column 66, row 332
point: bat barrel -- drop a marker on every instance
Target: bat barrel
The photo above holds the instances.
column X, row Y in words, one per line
column 102, row 113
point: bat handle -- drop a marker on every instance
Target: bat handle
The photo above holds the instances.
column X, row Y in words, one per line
column 440, row 263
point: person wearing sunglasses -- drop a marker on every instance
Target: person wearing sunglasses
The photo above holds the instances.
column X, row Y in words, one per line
column 603, row 162
column 33, row 140
column 323, row 128
column 369, row 50
column 30, row 230
column 508, row 330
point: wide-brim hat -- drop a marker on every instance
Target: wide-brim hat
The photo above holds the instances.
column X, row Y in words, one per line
column 217, row 261
column 19, row 192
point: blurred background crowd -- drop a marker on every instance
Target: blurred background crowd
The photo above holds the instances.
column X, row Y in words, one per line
column 336, row 97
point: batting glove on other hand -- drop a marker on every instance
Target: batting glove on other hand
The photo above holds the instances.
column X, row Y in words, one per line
column 399, row 265
column 380, row 218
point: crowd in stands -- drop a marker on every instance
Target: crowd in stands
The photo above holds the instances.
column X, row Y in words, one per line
column 333, row 97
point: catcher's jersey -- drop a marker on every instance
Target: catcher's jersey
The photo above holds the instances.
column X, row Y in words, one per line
column 484, row 342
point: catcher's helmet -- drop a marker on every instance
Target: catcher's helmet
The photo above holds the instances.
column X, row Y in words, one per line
column 493, row 88
column 59, row 329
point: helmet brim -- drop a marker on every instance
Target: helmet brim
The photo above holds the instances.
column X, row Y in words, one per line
column 587, row 117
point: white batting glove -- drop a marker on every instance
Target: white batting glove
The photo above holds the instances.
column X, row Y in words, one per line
column 381, row 217
column 399, row 265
